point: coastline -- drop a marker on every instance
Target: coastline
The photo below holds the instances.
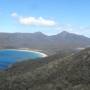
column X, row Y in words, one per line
column 37, row 52
column 33, row 51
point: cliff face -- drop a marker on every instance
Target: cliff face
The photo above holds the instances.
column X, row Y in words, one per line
column 68, row 73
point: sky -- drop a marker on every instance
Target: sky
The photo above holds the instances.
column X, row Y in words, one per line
column 47, row 16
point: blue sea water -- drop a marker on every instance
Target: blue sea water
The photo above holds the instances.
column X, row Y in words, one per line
column 9, row 57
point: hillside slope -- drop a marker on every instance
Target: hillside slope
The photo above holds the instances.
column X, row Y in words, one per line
column 38, row 40
column 70, row 73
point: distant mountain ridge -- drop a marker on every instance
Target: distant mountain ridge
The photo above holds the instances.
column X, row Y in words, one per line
column 38, row 40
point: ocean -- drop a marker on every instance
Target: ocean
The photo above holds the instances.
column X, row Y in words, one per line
column 10, row 57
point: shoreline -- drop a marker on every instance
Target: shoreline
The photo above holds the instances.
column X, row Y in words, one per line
column 43, row 54
column 37, row 52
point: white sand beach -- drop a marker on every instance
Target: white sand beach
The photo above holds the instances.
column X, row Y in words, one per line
column 37, row 52
column 42, row 54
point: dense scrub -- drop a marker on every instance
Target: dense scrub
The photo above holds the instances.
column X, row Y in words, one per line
column 70, row 72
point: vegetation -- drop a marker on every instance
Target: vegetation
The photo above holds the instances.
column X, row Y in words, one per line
column 69, row 72
column 39, row 41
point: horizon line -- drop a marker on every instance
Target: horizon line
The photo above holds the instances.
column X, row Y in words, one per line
column 46, row 34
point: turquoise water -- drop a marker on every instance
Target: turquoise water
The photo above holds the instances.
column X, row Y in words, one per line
column 9, row 57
